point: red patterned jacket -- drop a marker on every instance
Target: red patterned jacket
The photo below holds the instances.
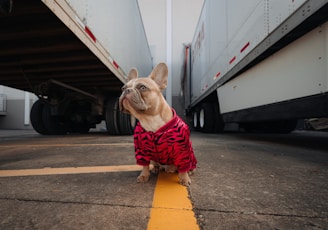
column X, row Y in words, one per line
column 169, row 145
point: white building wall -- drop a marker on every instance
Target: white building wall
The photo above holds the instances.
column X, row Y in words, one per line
column 17, row 109
column 185, row 14
column 153, row 14
column 185, row 17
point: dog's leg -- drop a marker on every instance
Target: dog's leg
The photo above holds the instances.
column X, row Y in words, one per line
column 144, row 175
column 184, row 179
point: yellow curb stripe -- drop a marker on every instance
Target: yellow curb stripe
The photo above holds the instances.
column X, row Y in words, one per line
column 69, row 170
column 171, row 208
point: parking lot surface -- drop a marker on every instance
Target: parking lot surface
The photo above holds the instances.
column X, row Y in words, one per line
column 243, row 181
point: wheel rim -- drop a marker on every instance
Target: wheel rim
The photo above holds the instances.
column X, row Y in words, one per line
column 195, row 120
column 201, row 118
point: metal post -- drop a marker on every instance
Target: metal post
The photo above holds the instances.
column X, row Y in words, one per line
column 27, row 109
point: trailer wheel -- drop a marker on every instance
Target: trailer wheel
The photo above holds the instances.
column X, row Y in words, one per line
column 36, row 118
column 127, row 123
column 52, row 124
column 111, row 116
column 206, row 118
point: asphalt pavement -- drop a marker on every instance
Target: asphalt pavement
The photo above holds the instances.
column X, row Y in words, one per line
column 243, row 181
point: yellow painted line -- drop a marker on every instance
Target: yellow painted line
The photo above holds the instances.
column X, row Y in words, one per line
column 171, row 208
column 68, row 170
column 69, row 145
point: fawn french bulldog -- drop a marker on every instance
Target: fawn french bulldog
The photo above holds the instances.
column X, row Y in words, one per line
column 160, row 136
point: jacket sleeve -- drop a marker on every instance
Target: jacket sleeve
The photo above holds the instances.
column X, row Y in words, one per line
column 141, row 157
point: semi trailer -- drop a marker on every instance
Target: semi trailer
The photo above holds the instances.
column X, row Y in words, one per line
column 262, row 64
column 74, row 55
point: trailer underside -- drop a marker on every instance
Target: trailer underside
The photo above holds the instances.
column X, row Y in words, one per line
column 35, row 46
column 40, row 54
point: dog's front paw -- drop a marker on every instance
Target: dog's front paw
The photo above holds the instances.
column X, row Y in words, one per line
column 142, row 178
column 184, row 179
column 144, row 175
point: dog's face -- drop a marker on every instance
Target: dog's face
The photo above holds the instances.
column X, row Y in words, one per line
column 143, row 96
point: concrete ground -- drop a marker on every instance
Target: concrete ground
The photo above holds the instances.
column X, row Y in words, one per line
column 243, row 181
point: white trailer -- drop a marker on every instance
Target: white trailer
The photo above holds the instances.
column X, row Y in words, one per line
column 260, row 63
column 74, row 55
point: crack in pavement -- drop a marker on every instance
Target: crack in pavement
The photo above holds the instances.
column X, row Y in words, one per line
column 72, row 202
column 198, row 210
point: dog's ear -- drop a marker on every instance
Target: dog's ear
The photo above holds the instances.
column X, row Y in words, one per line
column 133, row 74
column 159, row 75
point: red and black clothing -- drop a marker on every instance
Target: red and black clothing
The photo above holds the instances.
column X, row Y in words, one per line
column 169, row 145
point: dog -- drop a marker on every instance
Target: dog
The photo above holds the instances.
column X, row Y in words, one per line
column 160, row 136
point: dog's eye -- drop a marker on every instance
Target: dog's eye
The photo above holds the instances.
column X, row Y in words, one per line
column 124, row 87
column 142, row 88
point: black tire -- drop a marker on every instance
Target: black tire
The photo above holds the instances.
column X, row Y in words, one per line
column 207, row 118
column 111, row 116
column 127, row 123
column 52, row 124
column 36, row 117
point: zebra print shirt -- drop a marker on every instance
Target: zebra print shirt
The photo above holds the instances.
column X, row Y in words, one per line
column 169, row 145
